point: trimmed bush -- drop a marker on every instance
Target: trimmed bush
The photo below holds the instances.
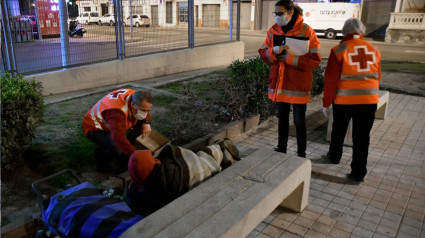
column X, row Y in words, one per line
column 318, row 80
column 246, row 89
column 21, row 112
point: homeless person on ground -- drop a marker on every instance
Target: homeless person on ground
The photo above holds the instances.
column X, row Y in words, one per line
column 156, row 182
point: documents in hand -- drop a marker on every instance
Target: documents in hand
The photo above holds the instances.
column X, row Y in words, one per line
column 297, row 45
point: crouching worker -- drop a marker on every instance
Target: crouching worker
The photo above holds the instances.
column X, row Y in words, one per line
column 107, row 122
column 157, row 182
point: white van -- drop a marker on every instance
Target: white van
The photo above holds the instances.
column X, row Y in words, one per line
column 328, row 18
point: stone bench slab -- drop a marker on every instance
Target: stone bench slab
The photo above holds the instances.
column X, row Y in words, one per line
column 234, row 202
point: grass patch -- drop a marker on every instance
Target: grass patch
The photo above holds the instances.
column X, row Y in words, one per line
column 403, row 67
column 64, row 104
column 163, row 100
column 77, row 155
column 62, row 180
column 222, row 72
column 203, row 86
column 173, row 87
column 128, row 86
column 48, row 122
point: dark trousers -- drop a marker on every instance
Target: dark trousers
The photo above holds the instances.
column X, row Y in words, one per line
column 283, row 110
column 108, row 157
column 363, row 117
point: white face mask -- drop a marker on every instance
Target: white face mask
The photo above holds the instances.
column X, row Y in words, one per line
column 281, row 21
column 140, row 115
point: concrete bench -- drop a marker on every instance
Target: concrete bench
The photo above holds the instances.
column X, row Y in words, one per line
column 381, row 113
column 234, row 202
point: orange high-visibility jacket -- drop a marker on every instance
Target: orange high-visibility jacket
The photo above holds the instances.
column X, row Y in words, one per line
column 353, row 73
column 118, row 99
column 290, row 79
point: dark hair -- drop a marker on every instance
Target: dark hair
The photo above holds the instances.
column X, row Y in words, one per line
column 299, row 9
column 287, row 4
column 139, row 96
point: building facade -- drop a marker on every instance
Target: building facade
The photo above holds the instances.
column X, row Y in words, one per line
column 208, row 13
column 407, row 22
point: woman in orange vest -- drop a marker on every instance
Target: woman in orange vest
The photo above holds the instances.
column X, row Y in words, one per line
column 108, row 120
column 291, row 75
column 351, row 86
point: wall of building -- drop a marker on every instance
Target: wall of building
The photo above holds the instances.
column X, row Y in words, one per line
column 406, row 24
column 413, row 6
column 145, row 8
column 405, row 36
column 376, row 16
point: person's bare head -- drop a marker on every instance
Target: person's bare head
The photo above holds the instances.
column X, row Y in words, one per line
column 141, row 100
column 353, row 25
column 284, row 8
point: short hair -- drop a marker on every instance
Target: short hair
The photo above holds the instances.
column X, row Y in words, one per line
column 139, row 96
column 287, row 4
column 353, row 25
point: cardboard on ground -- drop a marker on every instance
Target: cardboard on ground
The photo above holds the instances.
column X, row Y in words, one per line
column 154, row 142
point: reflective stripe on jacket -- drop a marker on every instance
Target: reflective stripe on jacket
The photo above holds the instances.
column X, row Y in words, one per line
column 290, row 79
column 118, row 99
column 359, row 73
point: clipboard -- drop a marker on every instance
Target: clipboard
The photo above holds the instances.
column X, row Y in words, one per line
column 297, row 45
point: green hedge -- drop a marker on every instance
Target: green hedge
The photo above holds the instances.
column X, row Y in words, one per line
column 21, row 112
column 318, row 80
column 246, row 89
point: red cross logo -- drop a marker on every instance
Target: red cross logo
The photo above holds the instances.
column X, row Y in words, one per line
column 361, row 58
column 114, row 95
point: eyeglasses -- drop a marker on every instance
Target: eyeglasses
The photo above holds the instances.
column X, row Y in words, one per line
column 141, row 108
column 281, row 13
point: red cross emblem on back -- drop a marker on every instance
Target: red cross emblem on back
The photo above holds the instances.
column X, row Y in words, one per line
column 114, row 95
column 361, row 58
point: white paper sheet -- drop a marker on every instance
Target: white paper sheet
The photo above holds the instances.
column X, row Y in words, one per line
column 297, row 46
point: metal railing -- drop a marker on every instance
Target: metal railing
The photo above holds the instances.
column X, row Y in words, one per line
column 117, row 30
column 408, row 21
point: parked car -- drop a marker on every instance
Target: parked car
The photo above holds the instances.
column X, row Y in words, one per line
column 88, row 17
column 107, row 19
column 138, row 20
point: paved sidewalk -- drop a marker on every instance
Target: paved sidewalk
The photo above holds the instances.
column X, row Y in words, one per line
column 390, row 203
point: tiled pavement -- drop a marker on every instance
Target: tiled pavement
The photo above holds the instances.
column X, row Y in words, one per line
column 391, row 201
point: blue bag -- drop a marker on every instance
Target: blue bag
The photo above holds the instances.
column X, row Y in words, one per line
column 83, row 211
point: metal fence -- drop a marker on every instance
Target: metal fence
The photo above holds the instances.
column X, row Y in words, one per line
column 46, row 35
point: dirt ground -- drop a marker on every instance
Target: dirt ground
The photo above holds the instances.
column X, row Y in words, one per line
column 60, row 144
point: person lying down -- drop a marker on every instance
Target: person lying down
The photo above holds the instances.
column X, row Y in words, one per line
column 157, row 181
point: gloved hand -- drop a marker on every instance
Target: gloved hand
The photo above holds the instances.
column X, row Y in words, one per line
column 280, row 49
column 325, row 111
